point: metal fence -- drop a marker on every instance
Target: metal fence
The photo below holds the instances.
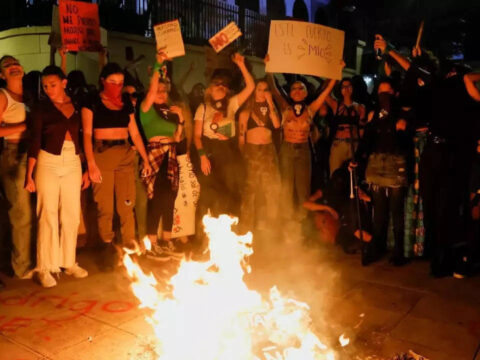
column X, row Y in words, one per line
column 199, row 19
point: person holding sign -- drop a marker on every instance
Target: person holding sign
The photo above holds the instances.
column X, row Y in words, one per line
column 13, row 164
column 256, row 123
column 214, row 133
column 110, row 118
column 55, row 152
column 295, row 163
column 163, row 126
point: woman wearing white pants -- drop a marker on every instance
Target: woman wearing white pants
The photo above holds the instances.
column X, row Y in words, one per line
column 55, row 152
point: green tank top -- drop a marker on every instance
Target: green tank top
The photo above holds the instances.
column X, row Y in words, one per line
column 155, row 125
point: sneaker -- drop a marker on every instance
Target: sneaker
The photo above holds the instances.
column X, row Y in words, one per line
column 46, row 279
column 76, row 271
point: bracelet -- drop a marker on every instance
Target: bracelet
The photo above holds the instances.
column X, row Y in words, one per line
column 157, row 66
column 201, row 152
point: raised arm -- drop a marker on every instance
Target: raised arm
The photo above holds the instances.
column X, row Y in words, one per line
column 63, row 59
column 279, row 97
column 470, row 80
column 152, row 89
column 243, row 95
column 381, row 43
column 315, row 105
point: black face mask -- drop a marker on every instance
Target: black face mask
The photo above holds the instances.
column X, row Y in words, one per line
column 385, row 103
column 298, row 108
column 164, row 111
column 220, row 105
column 261, row 110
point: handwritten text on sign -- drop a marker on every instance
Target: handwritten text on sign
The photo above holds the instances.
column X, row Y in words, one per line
column 169, row 38
column 79, row 25
column 225, row 37
column 304, row 48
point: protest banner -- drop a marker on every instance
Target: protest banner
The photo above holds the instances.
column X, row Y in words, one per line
column 79, row 25
column 299, row 47
column 186, row 200
column 169, row 38
column 224, row 37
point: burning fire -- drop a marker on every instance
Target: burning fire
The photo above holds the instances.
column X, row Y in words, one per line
column 210, row 314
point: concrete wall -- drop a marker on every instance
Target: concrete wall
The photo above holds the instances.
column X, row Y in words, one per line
column 30, row 46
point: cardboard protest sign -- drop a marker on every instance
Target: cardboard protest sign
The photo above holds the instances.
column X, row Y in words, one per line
column 186, row 200
column 169, row 38
column 299, row 47
column 79, row 25
column 225, row 36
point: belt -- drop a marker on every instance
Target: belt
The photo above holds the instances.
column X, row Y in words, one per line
column 111, row 142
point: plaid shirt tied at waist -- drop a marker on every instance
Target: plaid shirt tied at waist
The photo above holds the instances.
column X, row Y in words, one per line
column 156, row 152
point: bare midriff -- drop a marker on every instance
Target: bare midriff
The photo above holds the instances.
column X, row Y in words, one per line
column 345, row 132
column 111, row 134
column 296, row 129
column 259, row 136
column 161, row 139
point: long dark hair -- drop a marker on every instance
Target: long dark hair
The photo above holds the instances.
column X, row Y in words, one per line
column 109, row 69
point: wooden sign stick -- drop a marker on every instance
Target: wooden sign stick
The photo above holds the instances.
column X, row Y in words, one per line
column 419, row 36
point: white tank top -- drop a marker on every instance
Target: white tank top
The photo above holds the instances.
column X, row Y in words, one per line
column 15, row 113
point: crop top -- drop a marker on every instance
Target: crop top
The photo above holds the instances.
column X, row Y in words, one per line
column 252, row 124
column 158, row 123
column 15, row 113
column 49, row 126
column 347, row 115
column 105, row 118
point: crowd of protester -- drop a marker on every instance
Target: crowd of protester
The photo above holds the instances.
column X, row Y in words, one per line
column 395, row 169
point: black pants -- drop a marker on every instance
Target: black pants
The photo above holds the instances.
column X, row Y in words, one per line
column 442, row 184
column 220, row 191
column 161, row 206
column 386, row 200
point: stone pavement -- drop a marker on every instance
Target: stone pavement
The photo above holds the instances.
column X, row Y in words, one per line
column 382, row 309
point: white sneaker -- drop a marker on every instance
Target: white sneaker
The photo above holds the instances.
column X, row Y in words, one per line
column 46, row 279
column 76, row 271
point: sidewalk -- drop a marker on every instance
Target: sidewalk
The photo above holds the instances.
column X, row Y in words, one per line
column 384, row 310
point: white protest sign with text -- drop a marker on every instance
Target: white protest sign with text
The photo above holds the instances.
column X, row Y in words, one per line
column 224, row 37
column 299, row 47
column 169, row 38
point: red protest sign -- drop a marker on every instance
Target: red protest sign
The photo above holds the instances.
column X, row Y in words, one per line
column 79, row 25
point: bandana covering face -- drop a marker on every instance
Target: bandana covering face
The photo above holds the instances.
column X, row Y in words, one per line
column 220, row 105
column 261, row 110
column 113, row 92
column 298, row 108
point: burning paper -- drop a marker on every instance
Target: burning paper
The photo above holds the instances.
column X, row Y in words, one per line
column 211, row 314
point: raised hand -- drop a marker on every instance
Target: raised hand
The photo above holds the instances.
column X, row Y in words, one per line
column 238, row 59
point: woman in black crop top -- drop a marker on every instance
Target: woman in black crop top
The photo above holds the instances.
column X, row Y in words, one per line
column 348, row 117
column 111, row 119
column 256, row 123
column 54, row 152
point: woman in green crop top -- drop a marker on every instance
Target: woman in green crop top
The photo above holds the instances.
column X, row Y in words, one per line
column 162, row 125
